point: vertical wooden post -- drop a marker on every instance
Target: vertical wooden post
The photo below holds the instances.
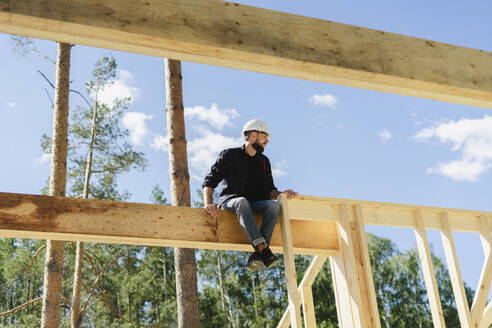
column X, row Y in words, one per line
column 369, row 301
column 290, row 268
column 428, row 271
column 483, row 287
column 345, row 279
column 454, row 272
column 308, row 307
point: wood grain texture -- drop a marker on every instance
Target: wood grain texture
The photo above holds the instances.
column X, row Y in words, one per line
column 59, row 218
column 248, row 38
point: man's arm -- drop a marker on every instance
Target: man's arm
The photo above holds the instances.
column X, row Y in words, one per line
column 289, row 193
column 208, row 194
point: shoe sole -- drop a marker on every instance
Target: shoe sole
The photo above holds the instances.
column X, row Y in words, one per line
column 255, row 266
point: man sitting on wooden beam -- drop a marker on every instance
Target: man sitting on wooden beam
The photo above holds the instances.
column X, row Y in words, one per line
column 248, row 188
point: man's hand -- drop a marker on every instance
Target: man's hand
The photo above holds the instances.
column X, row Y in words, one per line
column 290, row 193
column 212, row 210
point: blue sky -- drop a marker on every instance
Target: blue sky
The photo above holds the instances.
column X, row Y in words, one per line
column 328, row 140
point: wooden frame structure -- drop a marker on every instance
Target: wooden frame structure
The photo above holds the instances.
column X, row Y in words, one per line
column 335, row 227
column 243, row 37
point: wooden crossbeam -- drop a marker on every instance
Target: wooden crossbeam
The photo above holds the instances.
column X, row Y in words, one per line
column 385, row 214
column 243, row 37
column 59, row 218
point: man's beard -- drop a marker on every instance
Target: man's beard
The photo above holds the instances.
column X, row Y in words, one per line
column 258, row 147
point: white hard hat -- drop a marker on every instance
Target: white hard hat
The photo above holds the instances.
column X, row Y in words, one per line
column 256, row 125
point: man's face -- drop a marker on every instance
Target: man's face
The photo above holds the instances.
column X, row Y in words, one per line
column 260, row 142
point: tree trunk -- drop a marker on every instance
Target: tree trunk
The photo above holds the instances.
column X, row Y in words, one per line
column 184, row 259
column 164, row 272
column 254, row 298
column 222, row 289
column 75, row 316
column 53, row 268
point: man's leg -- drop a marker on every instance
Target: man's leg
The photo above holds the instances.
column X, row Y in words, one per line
column 242, row 208
column 270, row 210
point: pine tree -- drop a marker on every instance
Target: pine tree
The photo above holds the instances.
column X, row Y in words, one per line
column 184, row 258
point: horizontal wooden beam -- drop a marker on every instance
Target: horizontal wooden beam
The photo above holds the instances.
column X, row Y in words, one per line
column 59, row 218
column 254, row 39
column 385, row 214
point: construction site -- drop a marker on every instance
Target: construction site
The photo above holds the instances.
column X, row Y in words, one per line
column 332, row 230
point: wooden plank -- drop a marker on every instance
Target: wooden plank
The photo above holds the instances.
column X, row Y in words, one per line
column 340, row 287
column 371, row 312
column 285, row 320
column 314, row 208
column 483, row 287
column 308, row 307
column 487, row 316
column 346, row 281
column 244, row 37
column 290, row 266
column 455, row 272
column 428, row 271
column 306, row 282
column 59, row 218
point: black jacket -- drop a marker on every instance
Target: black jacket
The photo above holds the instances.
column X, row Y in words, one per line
column 230, row 166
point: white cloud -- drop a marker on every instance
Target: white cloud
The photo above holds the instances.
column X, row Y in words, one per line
column 217, row 118
column 135, row 122
column 160, row 143
column 120, row 89
column 385, row 136
column 324, row 100
column 43, row 159
column 472, row 138
column 11, row 104
column 203, row 151
column 280, row 169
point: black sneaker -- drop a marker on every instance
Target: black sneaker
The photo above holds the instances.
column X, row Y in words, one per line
column 268, row 258
column 255, row 262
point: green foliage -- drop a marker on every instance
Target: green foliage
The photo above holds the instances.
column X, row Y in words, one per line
column 22, row 46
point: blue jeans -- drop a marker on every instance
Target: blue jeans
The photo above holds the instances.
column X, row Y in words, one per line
column 269, row 209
